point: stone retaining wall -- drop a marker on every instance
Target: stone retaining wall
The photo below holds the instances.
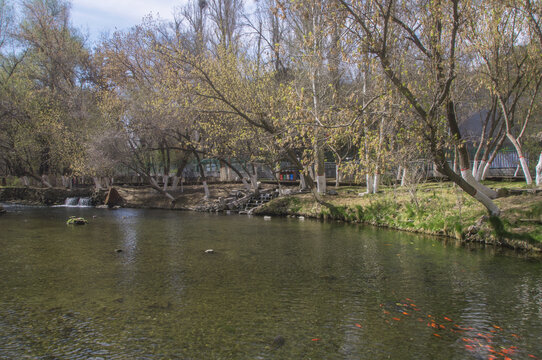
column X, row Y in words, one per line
column 52, row 196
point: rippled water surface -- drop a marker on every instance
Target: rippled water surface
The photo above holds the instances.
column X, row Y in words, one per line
column 331, row 291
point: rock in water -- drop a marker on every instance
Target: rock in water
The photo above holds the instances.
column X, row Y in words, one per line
column 2, row 210
column 113, row 198
column 76, row 221
column 209, row 251
column 278, row 341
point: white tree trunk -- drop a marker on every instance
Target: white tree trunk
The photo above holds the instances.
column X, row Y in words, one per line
column 522, row 161
column 246, row 184
column 155, row 184
column 106, row 181
column 370, row 183
column 97, row 183
column 337, row 176
column 45, row 181
column 399, row 172
column 404, row 177
column 485, row 171
column 175, row 183
column 539, row 171
column 25, row 181
column 254, row 182
column 467, row 175
column 488, row 203
column 228, row 174
column 475, row 168
column 302, row 182
column 525, row 168
column 480, row 170
column 376, row 183
column 206, row 190
column 165, row 179
column 321, row 184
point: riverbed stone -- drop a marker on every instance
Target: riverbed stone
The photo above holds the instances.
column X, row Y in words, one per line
column 278, row 341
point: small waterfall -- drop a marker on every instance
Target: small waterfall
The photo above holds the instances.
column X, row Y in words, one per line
column 71, row 201
column 84, row 202
column 77, row 202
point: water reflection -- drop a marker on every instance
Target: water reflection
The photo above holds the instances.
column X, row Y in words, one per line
column 331, row 290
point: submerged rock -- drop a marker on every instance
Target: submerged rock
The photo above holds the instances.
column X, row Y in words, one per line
column 278, row 341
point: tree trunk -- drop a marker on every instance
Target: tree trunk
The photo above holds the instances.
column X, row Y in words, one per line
column 475, row 168
column 480, row 170
column 302, row 183
column 175, row 182
column 539, row 171
column 203, row 177
column 369, row 183
column 254, row 179
column 45, row 181
column 463, row 155
column 522, row 160
column 308, row 179
column 97, row 183
column 319, row 166
column 404, row 177
column 165, row 179
column 492, row 157
column 26, row 182
column 206, row 190
column 444, row 168
column 337, row 174
column 230, row 167
column 399, row 172
column 154, row 185
column 376, row 183
column 246, row 184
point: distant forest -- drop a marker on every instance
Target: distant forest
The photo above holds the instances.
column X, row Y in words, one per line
column 372, row 85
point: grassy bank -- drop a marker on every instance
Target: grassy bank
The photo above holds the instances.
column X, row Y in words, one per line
column 433, row 208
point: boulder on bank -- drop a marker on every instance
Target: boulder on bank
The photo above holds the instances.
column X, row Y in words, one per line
column 2, row 210
column 113, row 198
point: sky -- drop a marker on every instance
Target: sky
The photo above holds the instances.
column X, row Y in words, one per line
column 97, row 16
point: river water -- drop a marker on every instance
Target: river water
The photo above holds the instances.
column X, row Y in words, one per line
column 330, row 291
